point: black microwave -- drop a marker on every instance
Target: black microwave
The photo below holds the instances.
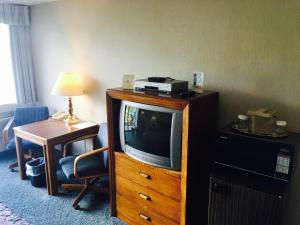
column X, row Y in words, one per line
column 268, row 157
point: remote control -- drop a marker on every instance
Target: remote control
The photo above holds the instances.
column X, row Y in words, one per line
column 186, row 94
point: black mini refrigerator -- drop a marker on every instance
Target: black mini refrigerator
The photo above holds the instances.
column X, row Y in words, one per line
column 249, row 178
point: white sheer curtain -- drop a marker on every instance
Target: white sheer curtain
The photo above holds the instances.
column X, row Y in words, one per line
column 17, row 17
column 7, row 84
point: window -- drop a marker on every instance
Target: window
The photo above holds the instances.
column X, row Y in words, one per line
column 7, row 84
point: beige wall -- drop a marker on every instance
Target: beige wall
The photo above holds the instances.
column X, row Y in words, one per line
column 248, row 50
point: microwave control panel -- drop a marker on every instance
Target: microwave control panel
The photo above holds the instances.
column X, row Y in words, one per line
column 283, row 163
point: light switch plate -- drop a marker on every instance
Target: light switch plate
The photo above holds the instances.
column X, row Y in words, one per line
column 128, row 80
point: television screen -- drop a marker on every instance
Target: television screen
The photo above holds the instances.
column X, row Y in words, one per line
column 149, row 131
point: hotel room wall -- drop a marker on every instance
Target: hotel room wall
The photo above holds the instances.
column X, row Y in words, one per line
column 249, row 52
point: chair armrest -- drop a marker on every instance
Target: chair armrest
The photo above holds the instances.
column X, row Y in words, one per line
column 65, row 150
column 6, row 131
column 84, row 155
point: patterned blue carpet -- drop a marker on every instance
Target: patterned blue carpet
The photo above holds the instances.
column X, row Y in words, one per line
column 36, row 206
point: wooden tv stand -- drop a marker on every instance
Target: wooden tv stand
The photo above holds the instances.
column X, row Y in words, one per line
column 145, row 194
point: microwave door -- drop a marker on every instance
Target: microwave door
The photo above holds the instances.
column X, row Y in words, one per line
column 252, row 157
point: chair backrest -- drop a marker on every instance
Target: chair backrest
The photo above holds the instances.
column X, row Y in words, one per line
column 103, row 141
column 31, row 114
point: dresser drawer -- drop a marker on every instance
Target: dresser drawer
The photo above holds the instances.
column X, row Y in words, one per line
column 157, row 179
column 134, row 214
column 148, row 199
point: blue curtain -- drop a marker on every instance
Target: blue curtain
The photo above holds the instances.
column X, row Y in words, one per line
column 17, row 17
column 14, row 14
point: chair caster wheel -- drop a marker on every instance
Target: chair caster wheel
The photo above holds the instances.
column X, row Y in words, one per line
column 77, row 207
column 12, row 170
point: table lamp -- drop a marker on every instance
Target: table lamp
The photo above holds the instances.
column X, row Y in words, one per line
column 68, row 84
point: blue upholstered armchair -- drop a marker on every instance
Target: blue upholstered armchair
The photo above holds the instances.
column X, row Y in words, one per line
column 90, row 166
column 22, row 116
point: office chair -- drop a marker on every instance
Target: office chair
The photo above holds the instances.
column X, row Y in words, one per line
column 23, row 116
column 90, row 166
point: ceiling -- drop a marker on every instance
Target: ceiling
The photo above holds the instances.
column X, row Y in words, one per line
column 26, row 2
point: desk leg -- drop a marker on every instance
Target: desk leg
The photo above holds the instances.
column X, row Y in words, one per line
column 20, row 156
column 51, row 170
column 95, row 139
column 46, row 168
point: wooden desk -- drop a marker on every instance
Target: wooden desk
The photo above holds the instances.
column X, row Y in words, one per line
column 47, row 134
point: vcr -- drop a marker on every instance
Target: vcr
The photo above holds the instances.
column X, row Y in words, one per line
column 267, row 157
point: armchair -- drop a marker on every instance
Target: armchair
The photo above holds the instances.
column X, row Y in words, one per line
column 22, row 116
column 90, row 166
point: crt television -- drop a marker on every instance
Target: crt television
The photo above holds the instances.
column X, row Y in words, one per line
column 151, row 134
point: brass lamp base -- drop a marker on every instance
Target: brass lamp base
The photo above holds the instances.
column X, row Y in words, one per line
column 71, row 119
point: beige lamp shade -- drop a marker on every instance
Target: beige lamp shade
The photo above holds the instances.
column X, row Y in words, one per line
column 67, row 84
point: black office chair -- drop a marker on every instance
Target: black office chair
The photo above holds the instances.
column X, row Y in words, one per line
column 90, row 166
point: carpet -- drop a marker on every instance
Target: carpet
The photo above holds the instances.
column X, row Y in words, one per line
column 8, row 217
column 35, row 205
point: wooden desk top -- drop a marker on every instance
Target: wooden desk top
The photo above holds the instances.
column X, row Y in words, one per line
column 49, row 133
column 51, row 129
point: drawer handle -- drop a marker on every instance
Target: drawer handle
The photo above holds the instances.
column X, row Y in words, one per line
column 145, row 197
column 145, row 217
column 145, row 175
